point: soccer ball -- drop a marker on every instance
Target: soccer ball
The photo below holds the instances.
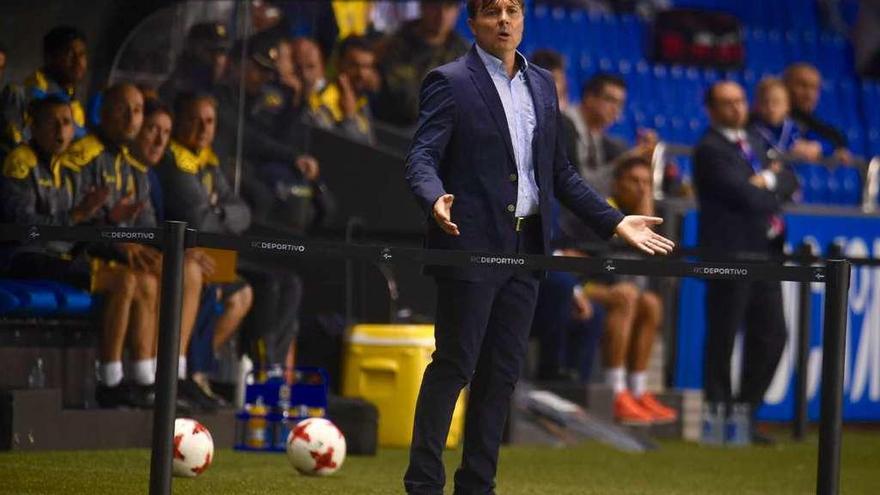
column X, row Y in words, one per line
column 316, row 447
column 193, row 448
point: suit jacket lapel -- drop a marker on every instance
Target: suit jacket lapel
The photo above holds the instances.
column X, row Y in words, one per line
column 487, row 90
column 540, row 117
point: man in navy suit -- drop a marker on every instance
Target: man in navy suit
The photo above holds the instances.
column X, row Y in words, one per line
column 740, row 200
column 486, row 159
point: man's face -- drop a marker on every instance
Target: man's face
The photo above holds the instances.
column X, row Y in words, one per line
column 498, row 26
column 307, row 62
column 153, row 138
column 804, row 86
column 773, row 105
column 439, row 18
column 255, row 76
column 71, row 63
column 631, row 189
column 728, row 107
column 603, row 109
column 52, row 129
column 360, row 66
column 197, row 125
column 122, row 115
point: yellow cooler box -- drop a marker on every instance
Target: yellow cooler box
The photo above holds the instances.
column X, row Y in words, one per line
column 384, row 365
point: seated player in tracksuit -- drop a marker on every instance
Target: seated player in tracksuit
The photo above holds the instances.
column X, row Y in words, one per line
column 38, row 188
column 196, row 191
column 201, row 333
column 65, row 59
column 103, row 160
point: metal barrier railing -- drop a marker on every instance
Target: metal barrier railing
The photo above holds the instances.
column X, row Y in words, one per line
column 173, row 238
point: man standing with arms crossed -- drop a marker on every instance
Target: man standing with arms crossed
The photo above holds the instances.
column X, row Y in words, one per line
column 486, row 159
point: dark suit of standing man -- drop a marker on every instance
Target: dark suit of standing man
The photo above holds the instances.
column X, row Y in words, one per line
column 740, row 203
column 489, row 140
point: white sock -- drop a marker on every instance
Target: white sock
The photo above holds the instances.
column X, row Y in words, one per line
column 616, row 379
column 154, row 363
column 111, row 373
column 181, row 367
column 144, row 371
column 638, row 382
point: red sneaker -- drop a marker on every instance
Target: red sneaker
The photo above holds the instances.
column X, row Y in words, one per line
column 628, row 411
column 659, row 412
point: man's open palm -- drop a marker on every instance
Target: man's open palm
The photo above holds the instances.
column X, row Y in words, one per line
column 443, row 214
column 636, row 230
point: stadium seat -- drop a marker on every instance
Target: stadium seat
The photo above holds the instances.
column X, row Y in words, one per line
column 32, row 300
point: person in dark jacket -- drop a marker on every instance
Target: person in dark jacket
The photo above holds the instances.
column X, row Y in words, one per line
column 740, row 198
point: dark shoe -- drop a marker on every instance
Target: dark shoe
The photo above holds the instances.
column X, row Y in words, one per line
column 113, row 397
column 190, row 390
column 142, row 396
column 225, row 391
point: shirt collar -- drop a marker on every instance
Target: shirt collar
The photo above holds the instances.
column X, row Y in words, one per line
column 495, row 64
column 733, row 135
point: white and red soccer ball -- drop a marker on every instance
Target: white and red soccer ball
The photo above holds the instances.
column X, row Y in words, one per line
column 193, row 448
column 316, row 447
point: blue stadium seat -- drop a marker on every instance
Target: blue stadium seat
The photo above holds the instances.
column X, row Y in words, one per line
column 9, row 302
column 32, row 300
column 70, row 300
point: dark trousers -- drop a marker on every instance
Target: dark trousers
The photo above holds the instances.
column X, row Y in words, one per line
column 566, row 343
column 481, row 336
column 273, row 321
column 757, row 308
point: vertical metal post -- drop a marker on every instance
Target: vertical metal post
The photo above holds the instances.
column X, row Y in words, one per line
column 833, row 347
column 803, row 349
column 166, row 367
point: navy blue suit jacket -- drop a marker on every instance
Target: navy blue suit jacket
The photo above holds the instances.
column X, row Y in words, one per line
column 462, row 146
column 734, row 214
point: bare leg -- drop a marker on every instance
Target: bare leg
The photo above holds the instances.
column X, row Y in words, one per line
column 144, row 324
column 118, row 287
column 193, row 280
column 620, row 303
column 648, row 314
column 235, row 308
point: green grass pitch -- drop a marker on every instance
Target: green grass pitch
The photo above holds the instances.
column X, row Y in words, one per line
column 677, row 468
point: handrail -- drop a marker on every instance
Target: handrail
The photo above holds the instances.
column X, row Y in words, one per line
column 871, row 186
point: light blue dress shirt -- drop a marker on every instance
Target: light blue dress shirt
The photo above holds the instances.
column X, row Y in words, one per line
column 520, row 112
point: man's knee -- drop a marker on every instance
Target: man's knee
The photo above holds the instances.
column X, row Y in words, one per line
column 241, row 301
column 650, row 305
column 624, row 296
column 147, row 286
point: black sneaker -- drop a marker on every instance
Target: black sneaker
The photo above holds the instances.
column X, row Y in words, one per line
column 113, row 397
column 191, row 391
column 142, row 396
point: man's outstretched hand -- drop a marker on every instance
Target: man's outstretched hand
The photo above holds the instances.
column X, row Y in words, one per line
column 636, row 230
column 443, row 214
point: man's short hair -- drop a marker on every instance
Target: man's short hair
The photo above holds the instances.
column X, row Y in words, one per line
column 548, row 59
column 154, row 106
column 474, row 6
column 790, row 71
column 59, row 38
column 39, row 106
column 597, row 83
column 709, row 94
column 186, row 99
column 354, row 42
column 630, row 163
